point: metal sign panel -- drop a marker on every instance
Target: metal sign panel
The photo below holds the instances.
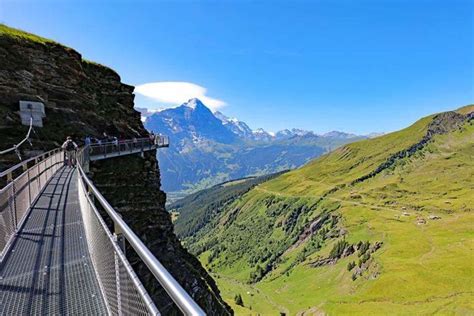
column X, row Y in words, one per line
column 32, row 110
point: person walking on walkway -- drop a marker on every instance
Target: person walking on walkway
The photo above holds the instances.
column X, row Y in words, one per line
column 152, row 138
column 87, row 140
column 70, row 147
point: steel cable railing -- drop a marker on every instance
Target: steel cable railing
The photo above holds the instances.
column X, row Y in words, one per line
column 20, row 193
column 122, row 290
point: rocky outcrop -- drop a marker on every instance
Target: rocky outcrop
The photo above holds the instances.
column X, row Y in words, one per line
column 83, row 98
column 441, row 124
column 309, row 230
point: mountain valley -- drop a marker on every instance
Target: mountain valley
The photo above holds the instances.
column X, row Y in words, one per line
column 209, row 148
column 375, row 226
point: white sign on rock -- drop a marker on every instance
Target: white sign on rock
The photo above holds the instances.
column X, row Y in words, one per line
column 32, row 110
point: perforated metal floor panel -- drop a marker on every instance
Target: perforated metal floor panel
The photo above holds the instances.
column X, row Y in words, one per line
column 48, row 270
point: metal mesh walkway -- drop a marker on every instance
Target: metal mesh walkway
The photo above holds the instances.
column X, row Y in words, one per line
column 48, row 269
column 63, row 259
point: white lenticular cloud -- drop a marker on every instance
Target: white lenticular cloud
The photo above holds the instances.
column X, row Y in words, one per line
column 176, row 93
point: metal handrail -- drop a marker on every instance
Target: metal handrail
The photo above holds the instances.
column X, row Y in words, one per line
column 182, row 299
column 51, row 159
column 32, row 189
column 159, row 139
column 38, row 158
column 127, row 141
column 121, row 256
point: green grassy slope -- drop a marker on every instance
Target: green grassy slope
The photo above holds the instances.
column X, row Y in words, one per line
column 285, row 246
column 196, row 211
column 22, row 35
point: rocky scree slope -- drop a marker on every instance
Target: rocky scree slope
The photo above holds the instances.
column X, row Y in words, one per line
column 84, row 98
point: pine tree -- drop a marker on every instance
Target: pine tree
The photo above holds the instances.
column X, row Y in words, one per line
column 238, row 300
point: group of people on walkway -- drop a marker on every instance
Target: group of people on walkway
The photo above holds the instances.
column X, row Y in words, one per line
column 89, row 140
column 70, row 147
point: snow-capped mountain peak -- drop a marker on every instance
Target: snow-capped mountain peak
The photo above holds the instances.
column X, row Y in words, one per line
column 262, row 135
column 225, row 118
column 234, row 125
column 299, row 131
column 259, row 131
column 190, row 121
column 221, row 116
column 194, row 103
column 195, row 121
column 286, row 133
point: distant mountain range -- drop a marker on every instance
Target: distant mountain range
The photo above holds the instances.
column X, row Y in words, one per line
column 208, row 148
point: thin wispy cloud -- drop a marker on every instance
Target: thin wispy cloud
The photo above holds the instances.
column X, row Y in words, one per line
column 177, row 92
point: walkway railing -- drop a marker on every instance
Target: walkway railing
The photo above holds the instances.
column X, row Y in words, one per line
column 121, row 289
column 111, row 149
column 22, row 191
column 126, row 295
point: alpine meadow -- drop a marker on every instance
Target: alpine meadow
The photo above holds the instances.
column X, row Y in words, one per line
column 376, row 226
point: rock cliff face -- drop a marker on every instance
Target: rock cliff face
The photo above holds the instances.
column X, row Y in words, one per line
column 83, row 98
column 80, row 97
column 133, row 184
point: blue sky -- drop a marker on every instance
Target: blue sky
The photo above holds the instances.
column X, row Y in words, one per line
column 357, row 66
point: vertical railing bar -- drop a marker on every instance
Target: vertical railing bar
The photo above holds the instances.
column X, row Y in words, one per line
column 29, row 187
column 15, row 219
column 46, row 169
column 38, row 162
column 117, row 279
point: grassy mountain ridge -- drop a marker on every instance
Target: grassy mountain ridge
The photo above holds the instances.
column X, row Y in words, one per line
column 376, row 226
column 22, row 35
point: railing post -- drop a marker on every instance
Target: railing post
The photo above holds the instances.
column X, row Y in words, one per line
column 120, row 239
column 117, row 278
column 29, row 183
column 55, row 160
column 38, row 174
column 46, row 168
column 15, row 219
column 91, row 194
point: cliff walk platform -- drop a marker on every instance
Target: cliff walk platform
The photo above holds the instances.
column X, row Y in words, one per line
column 58, row 257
